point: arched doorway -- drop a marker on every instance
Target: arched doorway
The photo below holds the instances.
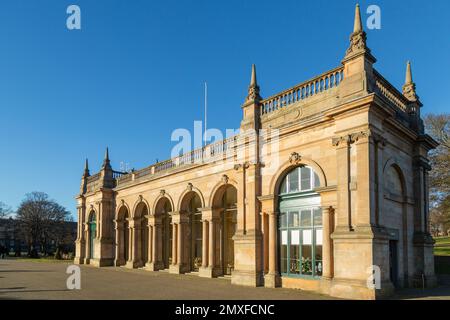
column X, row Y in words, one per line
column 141, row 214
column 190, row 205
column 226, row 199
column 123, row 240
column 300, row 224
column 163, row 209
column 92, row 233
column 394, row 202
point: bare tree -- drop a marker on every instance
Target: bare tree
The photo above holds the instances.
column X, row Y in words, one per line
column 40, row 221
column 5, row 210
column 438, row 126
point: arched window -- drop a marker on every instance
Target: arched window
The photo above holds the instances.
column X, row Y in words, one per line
column 92, row 233
column 300, row 224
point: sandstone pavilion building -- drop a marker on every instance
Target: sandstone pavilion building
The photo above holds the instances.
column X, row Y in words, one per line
column 346, row 190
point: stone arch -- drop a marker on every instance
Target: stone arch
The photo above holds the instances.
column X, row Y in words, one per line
column 223, row 203
column 121, row 206
column 92, row 212
column 393, row 163
column 219, row 189
column 162, row 195
column 163, row 233
column 394, row 181
column 287, row 166
column 297, row 212
column 122, row 235
column 186, row 196
column 190, row 204
column 92, row 232
column 139, row 206
column 141, row 231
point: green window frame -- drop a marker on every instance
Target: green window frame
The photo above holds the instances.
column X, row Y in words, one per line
column 300, row 242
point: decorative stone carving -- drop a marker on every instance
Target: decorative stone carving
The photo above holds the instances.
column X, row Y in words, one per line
column 189, row 186
column 295, row 158
column 357, row 136
column 357, row 43
column 162, row 192
column 253, row 93
column 339, row 140
column 409, row 91
column 244, row 165
column 140, row 198
column 225, row 179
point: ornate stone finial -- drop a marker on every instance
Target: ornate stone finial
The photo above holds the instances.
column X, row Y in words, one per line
column 358, row 38
column 357, row 26
column 86, row 168
column 253, row 88
column 408, row 78
column 294, row 158
column 225, row 179
column 106, row 161
column 141, row 198
column 122, row 202
column 409, row 88
column 189, row 186
column 162, row 192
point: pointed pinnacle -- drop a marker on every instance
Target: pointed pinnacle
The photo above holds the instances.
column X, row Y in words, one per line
column 107, row 154
column 357, row 27
column 86, row 165
column 408, row 78
column 253, row 82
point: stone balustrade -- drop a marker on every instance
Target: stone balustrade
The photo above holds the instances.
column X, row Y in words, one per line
column 388, row 91
column 303, row 91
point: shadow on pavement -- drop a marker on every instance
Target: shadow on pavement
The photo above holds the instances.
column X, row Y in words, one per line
column 6, row 271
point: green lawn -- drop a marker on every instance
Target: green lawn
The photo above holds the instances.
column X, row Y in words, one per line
column 442, row 246
column 442, row 240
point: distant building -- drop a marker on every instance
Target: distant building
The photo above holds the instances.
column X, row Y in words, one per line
column 12, row 238
column 342, row 200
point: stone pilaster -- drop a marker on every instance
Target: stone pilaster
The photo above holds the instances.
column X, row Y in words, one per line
column 154, row 262
column 210, row 219
column 180, row 264
column 80, row 243
column 272, row 278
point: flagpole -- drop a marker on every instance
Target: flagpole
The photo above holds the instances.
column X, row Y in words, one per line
column 206, row 108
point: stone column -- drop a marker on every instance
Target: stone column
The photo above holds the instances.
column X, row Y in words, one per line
column 174, row 243
column 205, row 243
column 133, row 261
column 327, row 244
column 344, row 223
column 272, row 278
column 179, row 220
column 265, row 231
column 119, row 254
column 180, row 244
column 212, row 244
column 80, row 243
column 87, row 251
column 209, row 267
column 153, row 263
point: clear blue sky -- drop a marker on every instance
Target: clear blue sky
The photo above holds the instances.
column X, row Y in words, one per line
column 135, row 72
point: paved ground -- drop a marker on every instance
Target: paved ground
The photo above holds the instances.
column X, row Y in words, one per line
column 45, row 280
